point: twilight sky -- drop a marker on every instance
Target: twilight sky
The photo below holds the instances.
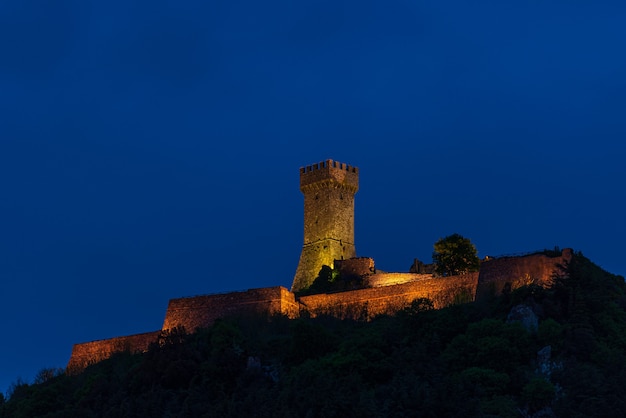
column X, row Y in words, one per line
column 150, row 149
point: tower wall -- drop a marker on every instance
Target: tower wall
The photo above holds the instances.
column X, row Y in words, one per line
column 328, row 188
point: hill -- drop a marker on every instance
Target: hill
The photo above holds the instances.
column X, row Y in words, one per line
column 556, row 351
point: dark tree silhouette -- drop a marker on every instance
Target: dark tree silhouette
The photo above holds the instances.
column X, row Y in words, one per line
column 455, row 255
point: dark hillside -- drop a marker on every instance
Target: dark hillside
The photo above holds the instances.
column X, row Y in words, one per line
column 564, row 357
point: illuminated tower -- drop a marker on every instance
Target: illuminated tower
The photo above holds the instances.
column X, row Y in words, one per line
column 328, row 189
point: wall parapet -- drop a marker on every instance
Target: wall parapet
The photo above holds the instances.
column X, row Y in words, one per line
column 327, row 173
column 201, row 311
column 328, row 164
column 355, row 267
column 370, row 302
column 395, row 291
column 85, row 354
column 496, row 274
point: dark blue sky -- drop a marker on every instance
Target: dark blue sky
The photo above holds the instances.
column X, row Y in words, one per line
column 150, row 149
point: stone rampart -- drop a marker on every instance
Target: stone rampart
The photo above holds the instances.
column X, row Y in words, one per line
column 367, row 303
column 201, row 311
column 389, row 293
column 92, row 352
column 190, row 313
column 496, row 274
column 356, row 266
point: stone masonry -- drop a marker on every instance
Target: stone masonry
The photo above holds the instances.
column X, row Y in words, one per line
column 329, row 188
column 387, row 293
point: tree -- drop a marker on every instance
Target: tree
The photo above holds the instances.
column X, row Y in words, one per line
column 455, row 255
column 46, row 374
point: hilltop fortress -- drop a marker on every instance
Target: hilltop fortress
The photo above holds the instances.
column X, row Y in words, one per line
column 329, row 189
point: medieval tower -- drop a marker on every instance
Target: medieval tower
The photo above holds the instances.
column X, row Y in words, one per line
column 329, row 188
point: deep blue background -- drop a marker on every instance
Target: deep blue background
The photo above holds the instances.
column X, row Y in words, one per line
column 150, row 149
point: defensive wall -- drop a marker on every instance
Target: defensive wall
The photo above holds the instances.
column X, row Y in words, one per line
column 389, row 299
column 92, row 352
column 498, row 273
column 388, row 293
column 356, row 267
column 190, row 313
column 201, row 311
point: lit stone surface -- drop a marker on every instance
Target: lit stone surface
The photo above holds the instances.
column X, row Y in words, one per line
column 328, row 189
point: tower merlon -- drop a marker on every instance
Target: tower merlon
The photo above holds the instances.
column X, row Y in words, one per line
column 330, row 171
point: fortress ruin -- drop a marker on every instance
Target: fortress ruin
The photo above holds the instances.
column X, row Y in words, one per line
column 329, row 188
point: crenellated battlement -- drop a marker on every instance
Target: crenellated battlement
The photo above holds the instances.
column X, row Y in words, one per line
column 329, row 163
column 329, row 171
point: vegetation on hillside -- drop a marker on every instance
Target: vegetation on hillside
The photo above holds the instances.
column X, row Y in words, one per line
column 467, row 360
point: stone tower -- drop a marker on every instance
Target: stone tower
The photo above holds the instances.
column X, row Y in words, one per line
column 328, row 188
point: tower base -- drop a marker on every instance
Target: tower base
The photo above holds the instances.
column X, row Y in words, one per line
column 316, row 255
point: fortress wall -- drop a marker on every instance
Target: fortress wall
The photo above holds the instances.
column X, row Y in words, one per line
column 367, row 303
column 191, row 313
column 498, row 273
column 357, row 266
column 389, row 279
column 92, row 352
column 201, row 311
column 394, row 292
